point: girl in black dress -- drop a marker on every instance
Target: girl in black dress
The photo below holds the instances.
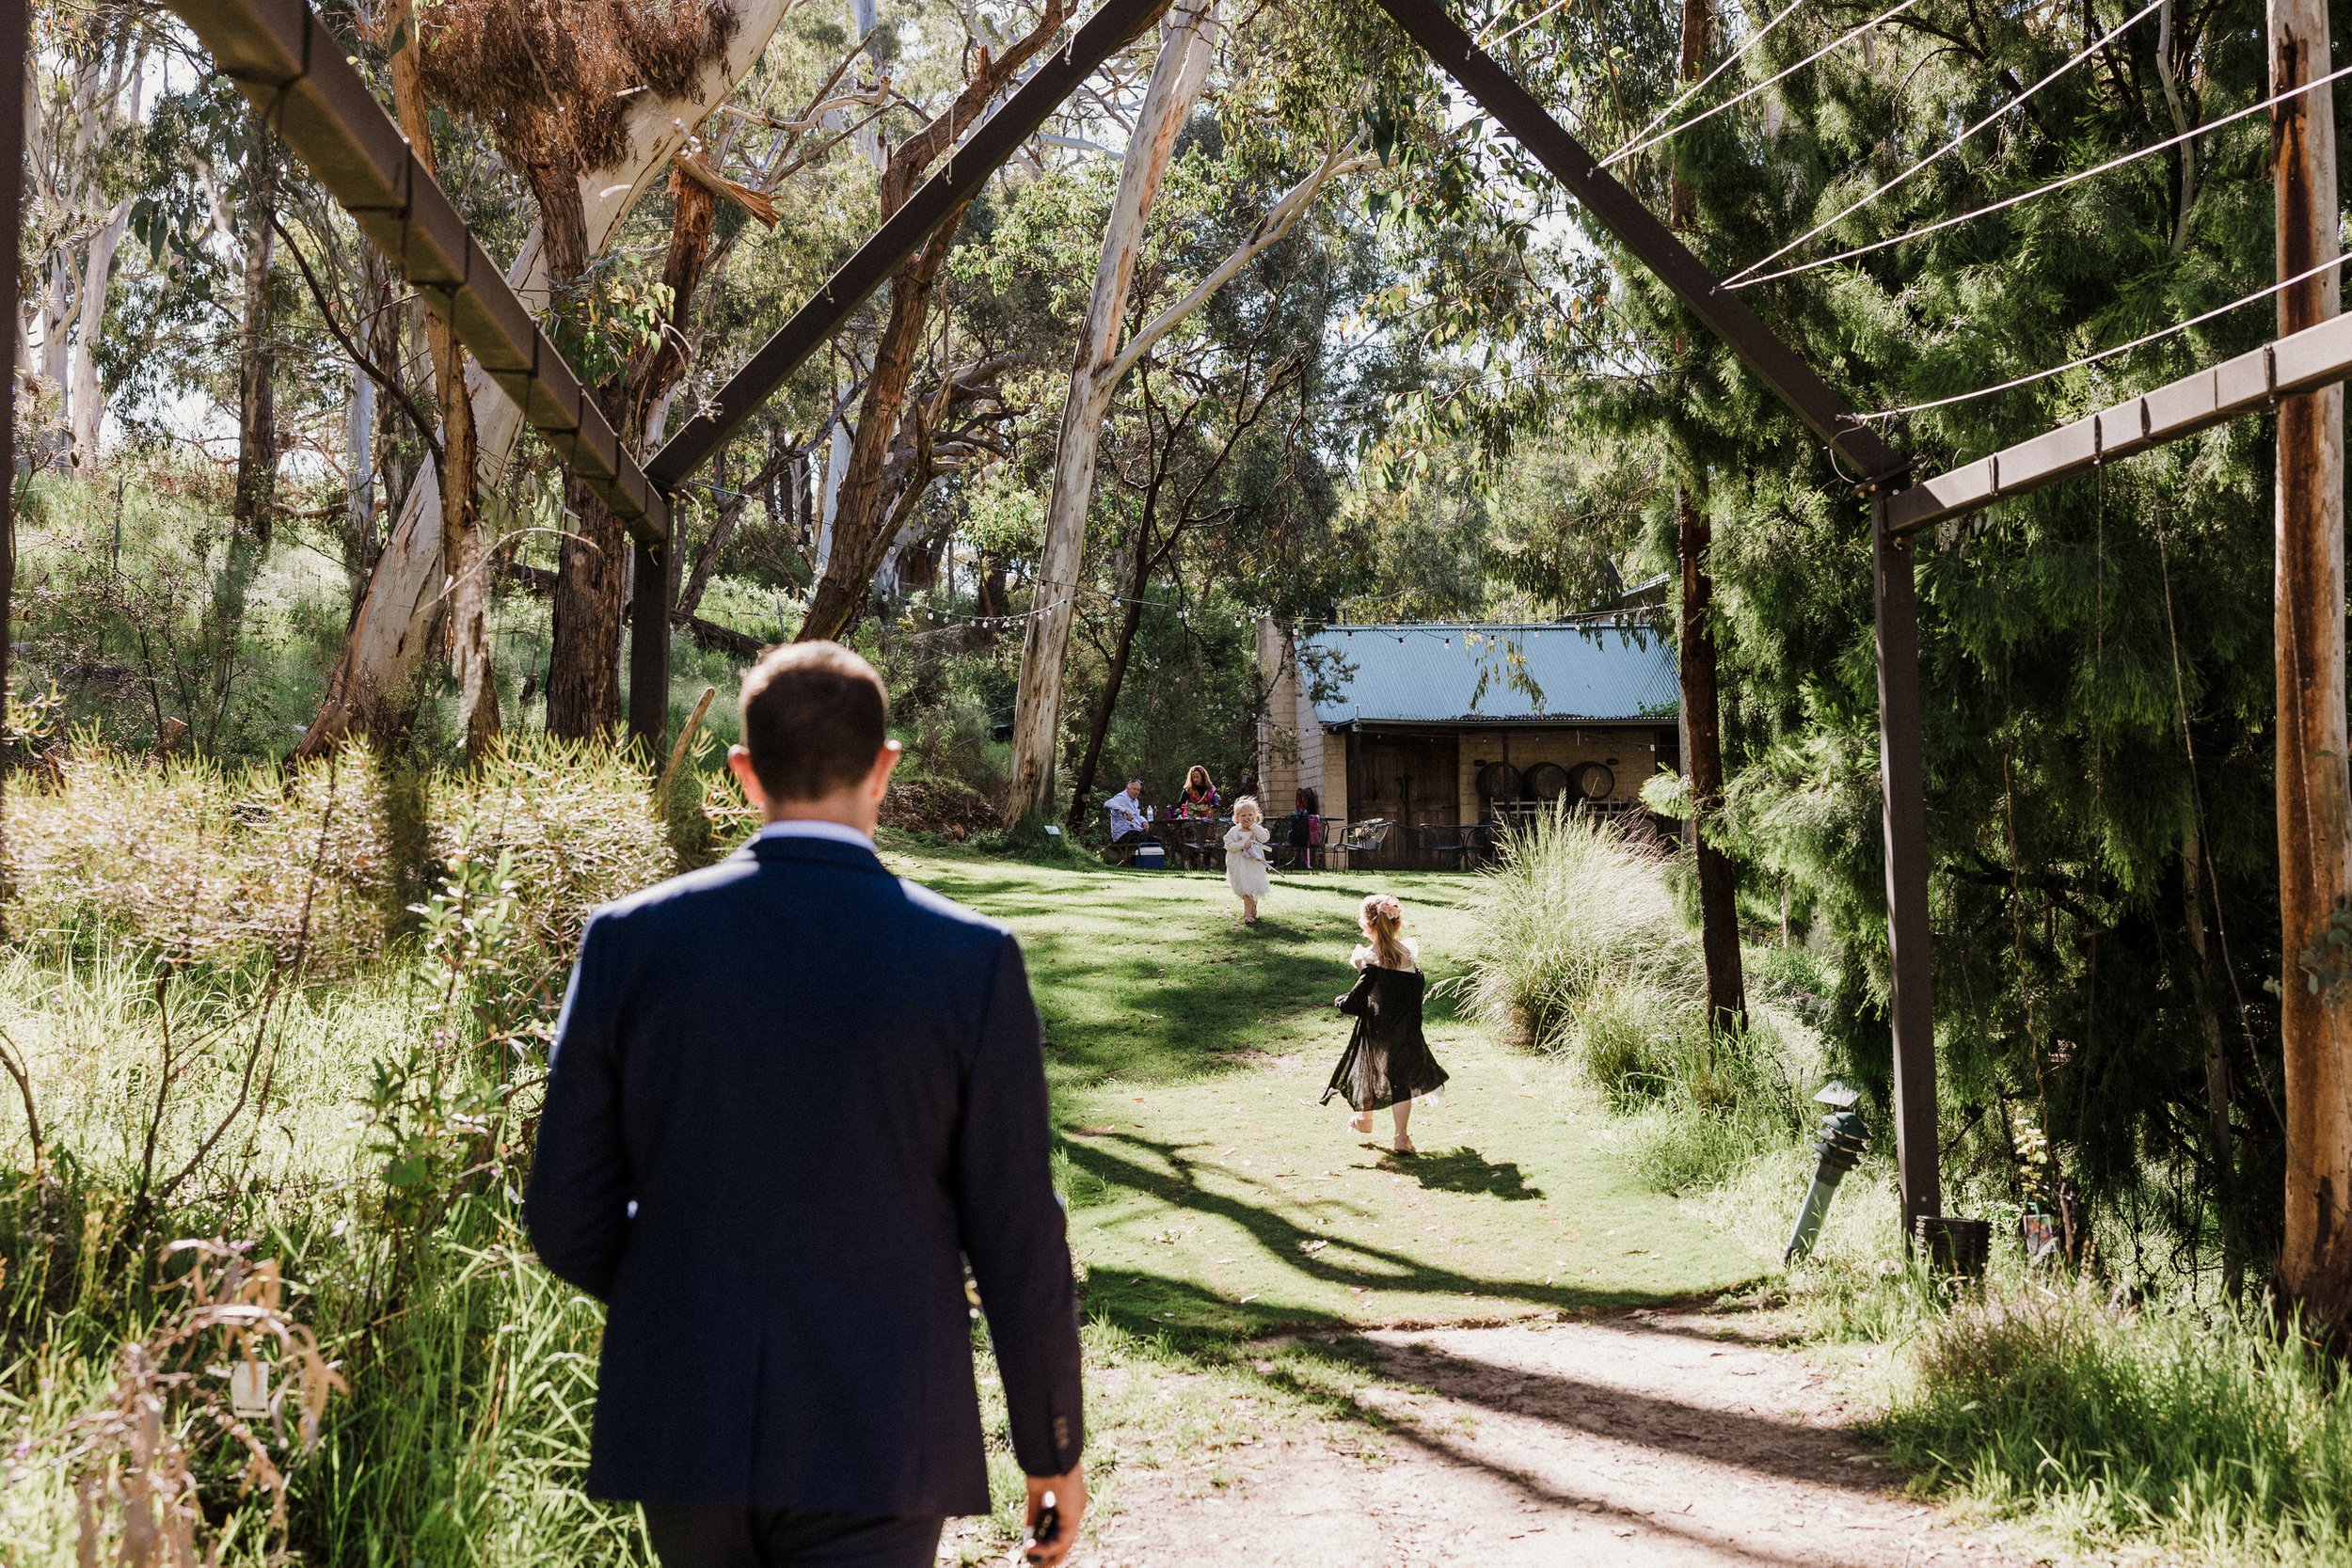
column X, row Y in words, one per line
column 1387, row 1061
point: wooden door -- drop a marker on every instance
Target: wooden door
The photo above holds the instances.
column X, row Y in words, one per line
column 1413, row 780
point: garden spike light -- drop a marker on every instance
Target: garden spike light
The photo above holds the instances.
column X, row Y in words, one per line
column 1844, row 1138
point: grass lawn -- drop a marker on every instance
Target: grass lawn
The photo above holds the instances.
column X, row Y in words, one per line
column 1211, row 1197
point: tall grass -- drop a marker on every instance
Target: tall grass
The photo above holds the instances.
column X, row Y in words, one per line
column 1586, row 953
column 1582, row 947
column 307, row 1016
column 2206, row 1434
column 226, row 868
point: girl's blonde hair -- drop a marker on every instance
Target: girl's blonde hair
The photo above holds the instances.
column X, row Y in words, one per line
column 1249, row 804
column 1383, row 920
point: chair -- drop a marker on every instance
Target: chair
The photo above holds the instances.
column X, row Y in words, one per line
column 1445, row 844
column 1367, row 837
column 1197, row 840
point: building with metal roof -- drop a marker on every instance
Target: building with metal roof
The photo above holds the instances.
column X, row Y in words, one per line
column 1595, row 672
column 1437, row 728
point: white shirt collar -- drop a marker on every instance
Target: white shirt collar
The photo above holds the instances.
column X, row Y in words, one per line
column 840, row 833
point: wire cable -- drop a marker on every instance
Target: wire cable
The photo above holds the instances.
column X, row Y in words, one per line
column 1643, row 141
column 2110, row 353
column 1556, row 5
column 1990, row 207
column 2074, row 60
column 1700, row 86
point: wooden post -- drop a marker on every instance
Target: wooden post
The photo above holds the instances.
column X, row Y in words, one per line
column 649, row 651
column 1903, row 779
column 15, row 64
column 2314, row 1020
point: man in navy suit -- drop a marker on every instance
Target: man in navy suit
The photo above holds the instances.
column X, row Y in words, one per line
column 790, row 1096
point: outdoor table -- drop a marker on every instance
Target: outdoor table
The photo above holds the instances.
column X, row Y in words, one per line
column 1194, row 840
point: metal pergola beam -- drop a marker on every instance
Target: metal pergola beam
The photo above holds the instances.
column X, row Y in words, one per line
column 1113, row 24
column 291, row 68
column 1781, row 368
column 2299, row 362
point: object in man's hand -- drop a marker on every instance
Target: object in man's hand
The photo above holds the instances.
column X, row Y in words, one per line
column 1047, row 1529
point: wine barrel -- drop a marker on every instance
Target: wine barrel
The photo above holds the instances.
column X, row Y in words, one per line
column 1591, row 780
column 1498, row 782
column 1546, row 781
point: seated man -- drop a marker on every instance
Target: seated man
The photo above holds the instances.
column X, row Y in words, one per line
column 1126, row 809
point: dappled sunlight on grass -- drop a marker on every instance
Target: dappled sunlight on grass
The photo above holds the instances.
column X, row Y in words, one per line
column 1212, row 1195
column 1145, row 976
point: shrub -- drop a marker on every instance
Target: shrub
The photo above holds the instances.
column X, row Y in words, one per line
column 1586, row 952
column 203, row 865
column 576, row 821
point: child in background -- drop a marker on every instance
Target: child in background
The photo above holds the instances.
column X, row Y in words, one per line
column 1245, row 857
column 1387, row 1061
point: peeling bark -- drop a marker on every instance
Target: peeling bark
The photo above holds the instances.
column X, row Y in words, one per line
column 2315, row 871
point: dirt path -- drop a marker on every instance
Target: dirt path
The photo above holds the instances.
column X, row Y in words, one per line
column 1646, row 1440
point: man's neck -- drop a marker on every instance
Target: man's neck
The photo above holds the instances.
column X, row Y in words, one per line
column 830, row 813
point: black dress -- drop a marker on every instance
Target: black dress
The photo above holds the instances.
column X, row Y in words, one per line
column 1387, row 1059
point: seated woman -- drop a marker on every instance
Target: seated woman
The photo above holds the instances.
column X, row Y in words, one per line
column 1198, row 802
column 1306, row 825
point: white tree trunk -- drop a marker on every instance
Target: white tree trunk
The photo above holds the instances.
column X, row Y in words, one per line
column 55, row 311
column 1036, row 714
column 86, row 402
column 359, row 455
column 390, row 634
column 836, row 465
column 1185, row 47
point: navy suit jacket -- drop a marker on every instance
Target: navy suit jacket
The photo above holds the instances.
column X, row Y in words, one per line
column 790, row 1095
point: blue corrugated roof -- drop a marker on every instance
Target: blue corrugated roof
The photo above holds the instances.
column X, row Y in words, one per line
column 1472, row 674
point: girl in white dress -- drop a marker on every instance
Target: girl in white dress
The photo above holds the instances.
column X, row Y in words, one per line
column 1245, row 857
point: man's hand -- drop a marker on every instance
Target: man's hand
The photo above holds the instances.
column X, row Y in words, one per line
column 1070, row 1505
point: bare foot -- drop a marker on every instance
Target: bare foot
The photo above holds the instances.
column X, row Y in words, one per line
column 1404, row 1144
column 1361, row 1124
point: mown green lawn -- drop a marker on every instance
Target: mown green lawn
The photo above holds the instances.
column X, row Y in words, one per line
column 1212, row 1196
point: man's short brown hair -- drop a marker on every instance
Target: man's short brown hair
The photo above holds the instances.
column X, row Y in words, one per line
column 815, row 716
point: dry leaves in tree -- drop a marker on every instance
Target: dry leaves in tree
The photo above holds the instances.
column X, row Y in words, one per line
column 204, row 1377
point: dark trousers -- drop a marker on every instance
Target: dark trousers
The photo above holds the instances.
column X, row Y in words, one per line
column 720, row 1535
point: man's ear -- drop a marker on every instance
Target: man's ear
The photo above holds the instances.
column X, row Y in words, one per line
column 739, row 764
column 885, row 761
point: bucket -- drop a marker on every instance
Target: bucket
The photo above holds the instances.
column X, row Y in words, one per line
column 1150, row 857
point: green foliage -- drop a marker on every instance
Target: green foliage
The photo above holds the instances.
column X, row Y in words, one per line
column 2205, row 1433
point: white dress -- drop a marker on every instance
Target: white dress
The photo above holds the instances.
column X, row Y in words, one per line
column 1246, row 861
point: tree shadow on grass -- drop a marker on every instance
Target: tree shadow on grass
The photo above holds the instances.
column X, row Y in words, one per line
column 1464, row 1170
column 1147, row 1303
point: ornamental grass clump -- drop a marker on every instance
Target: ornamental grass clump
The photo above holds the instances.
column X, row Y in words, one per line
column 2209, row 1432
column 574, row 820
column 1585, row 951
